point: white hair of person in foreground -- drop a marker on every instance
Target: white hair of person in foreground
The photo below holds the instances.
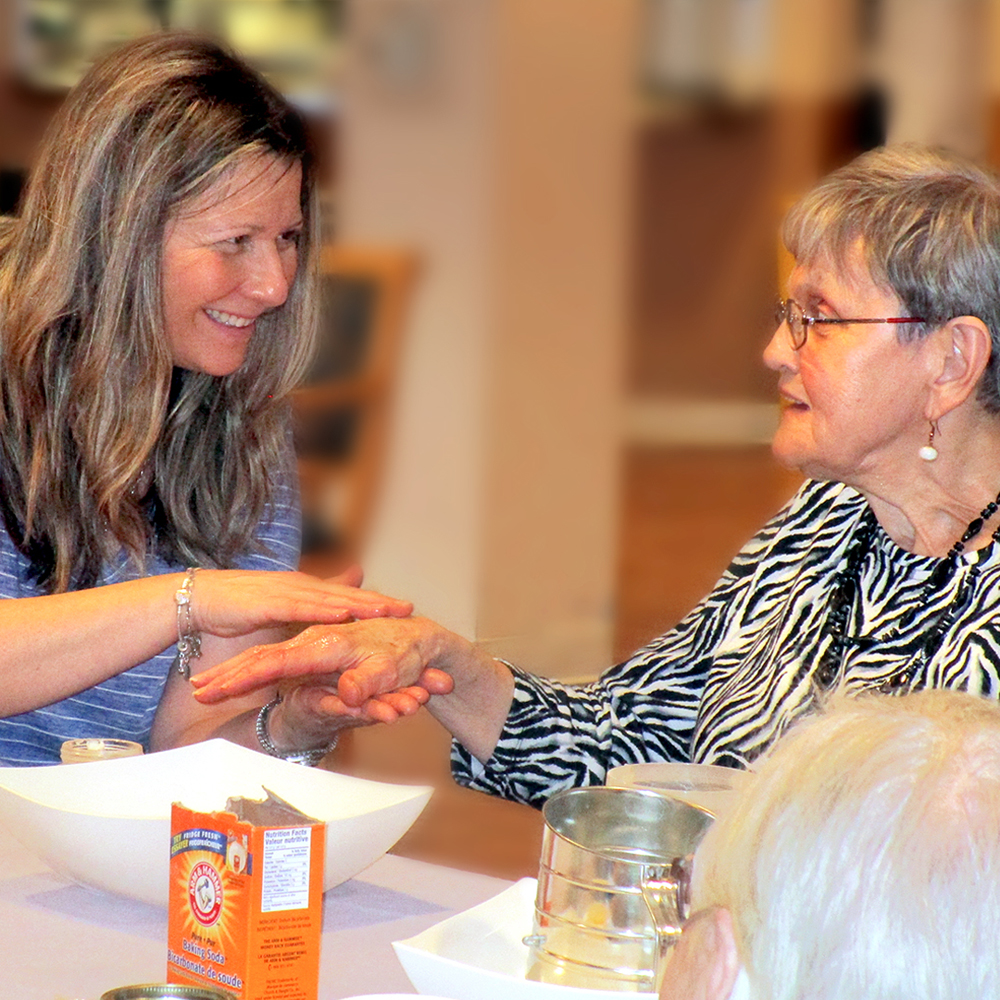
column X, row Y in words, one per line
column 862, row 862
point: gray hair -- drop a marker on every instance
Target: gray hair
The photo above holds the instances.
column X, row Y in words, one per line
column 88, row 394
column 929, row 224
column 864, row 859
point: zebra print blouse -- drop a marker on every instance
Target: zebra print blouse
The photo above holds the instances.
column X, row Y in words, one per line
column 728, row 679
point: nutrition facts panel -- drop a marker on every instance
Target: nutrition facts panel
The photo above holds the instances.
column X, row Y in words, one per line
column 285, row 882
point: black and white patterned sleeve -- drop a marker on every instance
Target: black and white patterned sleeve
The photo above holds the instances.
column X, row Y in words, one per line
column 563, row 736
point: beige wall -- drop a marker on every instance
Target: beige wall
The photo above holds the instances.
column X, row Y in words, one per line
column 816, row 70
column 562, row 197
column 414, row 171
column 934, row 67
column 505, row 162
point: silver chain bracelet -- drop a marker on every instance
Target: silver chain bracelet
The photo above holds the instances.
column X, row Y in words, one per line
column 188, row 640
column 307, row 757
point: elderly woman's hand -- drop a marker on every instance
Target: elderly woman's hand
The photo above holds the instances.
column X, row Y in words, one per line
column 361, row 659
column 231, row 603
column 312, row 713
column 374, row 671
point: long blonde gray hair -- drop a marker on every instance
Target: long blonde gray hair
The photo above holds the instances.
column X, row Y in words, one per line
column 90, row 403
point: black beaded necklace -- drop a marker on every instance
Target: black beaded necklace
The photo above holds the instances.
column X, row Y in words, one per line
column 848, row 584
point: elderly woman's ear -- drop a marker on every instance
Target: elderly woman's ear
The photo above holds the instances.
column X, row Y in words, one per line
column 962, row 349
column 704, row 963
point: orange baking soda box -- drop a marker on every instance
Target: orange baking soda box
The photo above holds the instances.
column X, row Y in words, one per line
column 246, row 899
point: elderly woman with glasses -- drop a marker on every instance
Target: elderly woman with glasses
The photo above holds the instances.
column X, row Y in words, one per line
column 881, row 573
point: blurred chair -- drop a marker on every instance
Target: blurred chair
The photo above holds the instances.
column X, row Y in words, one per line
column 342, row 410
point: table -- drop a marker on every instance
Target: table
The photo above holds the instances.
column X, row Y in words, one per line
column 60, row 941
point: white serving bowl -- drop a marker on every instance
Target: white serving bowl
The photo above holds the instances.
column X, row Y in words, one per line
column 479, row 954
column 106, row 824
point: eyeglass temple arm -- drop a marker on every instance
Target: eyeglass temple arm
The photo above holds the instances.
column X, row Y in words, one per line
column 885, row 319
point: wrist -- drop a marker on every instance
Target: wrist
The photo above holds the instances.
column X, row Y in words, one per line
column 276, row 745
column 445, row 650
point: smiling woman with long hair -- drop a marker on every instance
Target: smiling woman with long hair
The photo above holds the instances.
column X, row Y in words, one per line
column 156, row 309
column 89, row 405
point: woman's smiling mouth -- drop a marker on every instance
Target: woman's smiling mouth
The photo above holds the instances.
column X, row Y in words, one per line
column 228, row 319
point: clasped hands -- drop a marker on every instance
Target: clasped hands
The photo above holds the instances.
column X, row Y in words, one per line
column 334, row 676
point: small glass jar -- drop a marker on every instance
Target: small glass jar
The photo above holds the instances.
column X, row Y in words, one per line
column 83, row 750
column 163, row 991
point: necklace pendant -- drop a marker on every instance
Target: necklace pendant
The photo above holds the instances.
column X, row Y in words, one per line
column 973, row 529
column 942, row 573
column 829, row 667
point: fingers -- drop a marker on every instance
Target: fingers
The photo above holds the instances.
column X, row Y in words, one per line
column 329, row 602
column 392, row 609
column 435, row 681
column 369, row 603
column 345, row 588
column 386, row 708
column 405, row 701
column 229, row 603
column 378, row 674
column 317, row 651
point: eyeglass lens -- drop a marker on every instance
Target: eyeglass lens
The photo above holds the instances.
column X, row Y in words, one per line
column 790, row 312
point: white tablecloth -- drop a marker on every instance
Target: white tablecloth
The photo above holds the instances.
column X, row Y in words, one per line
column 60, row 941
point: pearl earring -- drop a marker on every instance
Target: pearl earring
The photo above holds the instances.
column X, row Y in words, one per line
column 928, row 452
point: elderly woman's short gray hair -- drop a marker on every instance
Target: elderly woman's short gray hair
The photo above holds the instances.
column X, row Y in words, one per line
column 929, row 225
column 864, row 858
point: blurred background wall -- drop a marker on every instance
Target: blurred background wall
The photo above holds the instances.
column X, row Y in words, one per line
column 506, row 160
column 592, row 189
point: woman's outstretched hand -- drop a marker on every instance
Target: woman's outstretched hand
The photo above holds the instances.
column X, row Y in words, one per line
column 230, row 603
column 371, row 671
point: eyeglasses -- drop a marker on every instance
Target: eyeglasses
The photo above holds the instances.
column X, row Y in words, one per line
column 791, row 312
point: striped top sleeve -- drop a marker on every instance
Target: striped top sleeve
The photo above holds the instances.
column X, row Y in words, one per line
column 743, row 665
column 124, row 706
